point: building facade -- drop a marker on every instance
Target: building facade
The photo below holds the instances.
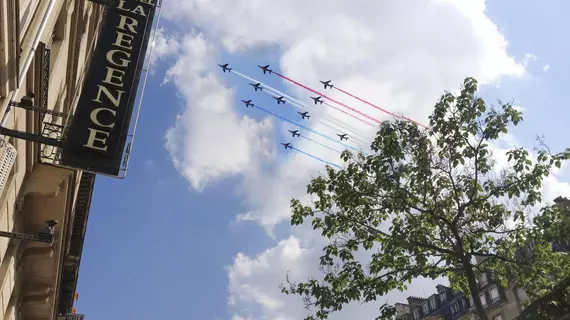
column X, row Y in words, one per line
column 45, row 47
column 500, row 304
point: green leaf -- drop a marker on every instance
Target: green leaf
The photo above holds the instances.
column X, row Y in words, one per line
column 411, row 204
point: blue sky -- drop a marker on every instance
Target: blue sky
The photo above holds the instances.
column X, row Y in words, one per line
column 163, row 242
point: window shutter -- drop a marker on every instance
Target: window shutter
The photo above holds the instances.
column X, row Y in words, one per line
column 7, row 159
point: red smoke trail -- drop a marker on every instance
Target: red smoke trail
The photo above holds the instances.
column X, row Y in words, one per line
column 350, row 114
column 377, row 107
column 322, row 95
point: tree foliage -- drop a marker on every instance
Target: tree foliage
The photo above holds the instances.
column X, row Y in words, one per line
column 425, row 203
column 546, row 277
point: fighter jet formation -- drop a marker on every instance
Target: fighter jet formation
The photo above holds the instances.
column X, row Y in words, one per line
column 281, row 100
column 304, row 115
column 295, row 133
column 318, row 100
column 256, row 86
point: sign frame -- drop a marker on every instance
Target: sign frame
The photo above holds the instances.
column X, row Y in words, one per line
column 97, row 136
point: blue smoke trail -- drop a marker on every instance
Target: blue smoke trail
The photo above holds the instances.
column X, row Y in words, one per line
column 272, row 91
column 321, row 144
column 308, row 129
column 298, row 105
column 312, row 156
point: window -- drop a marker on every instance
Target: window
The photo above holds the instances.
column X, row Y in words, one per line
column 483, row 300
column 499, row 317
column 443, row 296
column 432, row 303
column 426, row 308
column 416, row 314
column 8, row 155
column 455, row 308
column 27, row 9
column 57, row 37
column 466, row 302
column 483, row 279
column 494, row 292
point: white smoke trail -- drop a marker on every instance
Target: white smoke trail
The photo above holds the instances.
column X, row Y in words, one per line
column 353, row 133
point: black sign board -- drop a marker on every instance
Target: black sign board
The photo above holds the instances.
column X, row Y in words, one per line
column 97, row 135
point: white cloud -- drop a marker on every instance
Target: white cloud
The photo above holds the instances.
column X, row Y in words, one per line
column 164, row 46
column 400, row 55
column 253, row 282
column 518, row 108
column 546, row 67
column 209, row 140
column 369, row 48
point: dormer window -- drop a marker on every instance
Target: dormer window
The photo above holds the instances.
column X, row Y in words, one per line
column 494, row 293
column 416, row 314
column 443, row 296
column 432, row 303
column 483, row 279
column 466, row 302
column 483, row 300
column 455, row 308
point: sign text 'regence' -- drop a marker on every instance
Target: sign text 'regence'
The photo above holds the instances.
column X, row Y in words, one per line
column 97, row 135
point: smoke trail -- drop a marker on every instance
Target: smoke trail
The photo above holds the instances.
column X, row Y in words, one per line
column 294, row 103
column 321, row 144
column 317, row 158
column 288, row 97
column 293, row 99
column 324, row 96
column 350, row 114
column 306, row 128
column 377, row 107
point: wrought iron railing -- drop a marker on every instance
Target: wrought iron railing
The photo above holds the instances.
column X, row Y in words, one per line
column 44, row 77
column 56, row 132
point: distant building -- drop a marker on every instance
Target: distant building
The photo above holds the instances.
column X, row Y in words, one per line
column 442, row 305
column 445, row 304
column 402, row 311
column 499, row 303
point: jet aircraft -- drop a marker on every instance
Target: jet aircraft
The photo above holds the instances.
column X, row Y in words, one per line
column 279, row 100
column 327, row 84
column 304, row 114
column 247, row 103
column 287, row 146
column 265, row 69
column 256, row 86
column 317, row 100
column 343, row 136
column 295, row 133
column 225, row 67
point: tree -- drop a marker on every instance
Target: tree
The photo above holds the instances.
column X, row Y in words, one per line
column 426, row 203
column 550, row 256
